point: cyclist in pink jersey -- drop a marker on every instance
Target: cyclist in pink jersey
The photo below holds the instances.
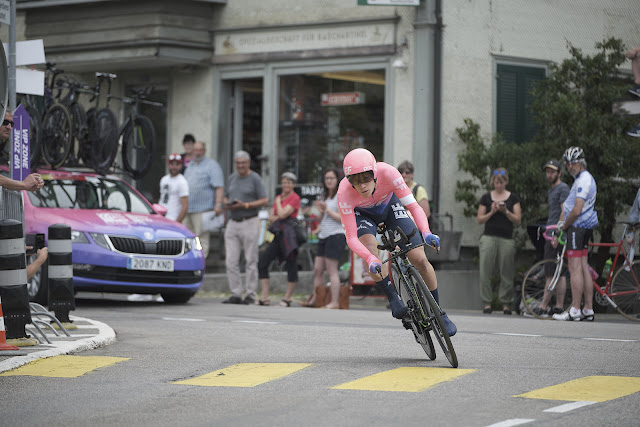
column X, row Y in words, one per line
column 372, row 193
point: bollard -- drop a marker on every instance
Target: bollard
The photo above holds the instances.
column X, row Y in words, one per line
column 61, row 297
column 13, row 279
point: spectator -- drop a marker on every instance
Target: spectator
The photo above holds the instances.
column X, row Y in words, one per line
column 577, row 220
column 634, row 217
column 34, row 266
column 556, row 196
column 419, row 192
column 634, row 56
column 187, row 142
column 245, row 195
column 284, row 245
column 206, row 192
column 331, row 241
column 174, row 190
column 499, row 211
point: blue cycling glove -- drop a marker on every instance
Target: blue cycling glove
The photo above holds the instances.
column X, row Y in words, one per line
column 374, row 266
column 431, row 239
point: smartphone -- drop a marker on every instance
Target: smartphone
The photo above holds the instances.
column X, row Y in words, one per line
column 35, row 241
column 501, row 203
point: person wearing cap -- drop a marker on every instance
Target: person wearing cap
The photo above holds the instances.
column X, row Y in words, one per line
column 174, row 190
column 244, row 196
column 284, row 245
column 499, row 211
column 557, row 194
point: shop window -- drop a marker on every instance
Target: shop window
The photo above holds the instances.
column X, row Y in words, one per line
column 322, row 116
column 515, row 117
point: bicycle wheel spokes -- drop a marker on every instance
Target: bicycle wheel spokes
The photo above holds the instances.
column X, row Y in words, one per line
column 533, row 289
column 138, row 141
column 420, row 333
column 429, row 306
column 625, row 291
column 35, row 136
column 57, row 135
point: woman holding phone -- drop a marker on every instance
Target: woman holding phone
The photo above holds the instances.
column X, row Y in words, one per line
column 499, row 211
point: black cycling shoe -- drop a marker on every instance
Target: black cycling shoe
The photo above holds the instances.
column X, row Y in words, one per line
column 398, row 309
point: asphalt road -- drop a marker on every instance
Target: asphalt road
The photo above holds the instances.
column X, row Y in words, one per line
column 208, row 363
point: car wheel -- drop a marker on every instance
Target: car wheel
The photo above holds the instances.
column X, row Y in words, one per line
column 38, row 286
column 176, row 298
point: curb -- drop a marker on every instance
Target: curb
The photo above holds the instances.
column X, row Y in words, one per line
column 105, row 336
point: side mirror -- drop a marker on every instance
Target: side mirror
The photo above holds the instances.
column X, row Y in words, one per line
column 160, row 210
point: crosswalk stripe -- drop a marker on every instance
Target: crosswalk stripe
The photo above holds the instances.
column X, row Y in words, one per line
column 588, row 389
column 245, row 374
column 64, row 366
column 568, row 407
column 404, row 379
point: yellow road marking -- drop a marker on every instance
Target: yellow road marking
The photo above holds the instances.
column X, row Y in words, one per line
column 64, row 366
column 245, row 374
column 405, row 379
column 594, row 389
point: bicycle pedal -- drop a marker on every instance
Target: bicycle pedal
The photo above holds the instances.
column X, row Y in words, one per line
column 406, row 323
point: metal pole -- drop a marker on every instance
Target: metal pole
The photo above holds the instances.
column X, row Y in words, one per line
column 12, row 57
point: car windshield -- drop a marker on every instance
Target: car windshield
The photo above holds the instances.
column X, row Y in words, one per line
column 87, row 192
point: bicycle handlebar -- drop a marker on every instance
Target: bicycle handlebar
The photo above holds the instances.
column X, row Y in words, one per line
column 553, row 228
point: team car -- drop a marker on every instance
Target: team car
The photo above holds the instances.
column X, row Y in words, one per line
column 121, row 242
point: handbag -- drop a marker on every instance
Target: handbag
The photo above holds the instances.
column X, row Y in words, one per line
column 301, row 233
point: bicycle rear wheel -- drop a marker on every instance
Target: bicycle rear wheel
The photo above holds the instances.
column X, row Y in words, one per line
column 420, row 333
column 138, row 141
column 79, row 126
column 533, row 286
column 56, row 135
column 625, row 291
column 431, row 310
column 103, row 139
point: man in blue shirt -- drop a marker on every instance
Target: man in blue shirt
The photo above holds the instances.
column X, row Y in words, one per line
column 577, row 220
column 206, row 192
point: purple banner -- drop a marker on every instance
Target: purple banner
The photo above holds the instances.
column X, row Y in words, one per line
column 20, row 144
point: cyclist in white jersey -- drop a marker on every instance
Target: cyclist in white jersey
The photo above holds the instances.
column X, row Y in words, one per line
column 577, row 220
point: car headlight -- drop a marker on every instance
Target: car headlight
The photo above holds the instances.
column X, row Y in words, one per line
column 78, row 237
column 192, row 243
column 100, row 240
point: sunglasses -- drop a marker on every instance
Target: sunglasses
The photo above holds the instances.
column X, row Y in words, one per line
column 360, row 178
column 406, row 172
column 6, row 122
column 176, row 157
column 497, row 172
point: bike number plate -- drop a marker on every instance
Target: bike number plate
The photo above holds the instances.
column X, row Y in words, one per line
column 150, row 264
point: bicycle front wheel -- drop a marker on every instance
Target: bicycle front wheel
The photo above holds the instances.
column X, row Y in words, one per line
column 420, row 333
column 35, row 136
column 138, row 142
column 56, row 135
column 103, row 139
column 432, row 311
column 625, row 291
column 533, row 289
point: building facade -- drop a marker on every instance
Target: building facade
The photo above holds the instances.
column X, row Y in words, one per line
column 299, row 83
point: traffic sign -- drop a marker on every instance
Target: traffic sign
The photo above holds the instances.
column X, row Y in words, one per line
column 20, row 144
column 5, row 9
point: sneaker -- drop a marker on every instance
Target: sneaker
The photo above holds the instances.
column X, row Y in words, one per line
column 635, row 132
column 448, row 324
column 556, row 310
column 635, row 90
column 539, row 312
column 566, row 315
column 249, row 300
column 587, row 317
column 233, row 299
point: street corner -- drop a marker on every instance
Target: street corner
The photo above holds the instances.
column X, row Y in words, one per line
column 84, row 334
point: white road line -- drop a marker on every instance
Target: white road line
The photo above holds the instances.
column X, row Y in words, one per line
column 569, row 407
column 255, row 321
column 183, row 319
column 512, row 422
column 608, row 339
column 516, row 335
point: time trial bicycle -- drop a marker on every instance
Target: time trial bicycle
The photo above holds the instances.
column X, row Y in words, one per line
column 621, row 290
column 424, row 314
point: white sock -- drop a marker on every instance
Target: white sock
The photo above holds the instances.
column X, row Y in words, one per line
column 574, row 311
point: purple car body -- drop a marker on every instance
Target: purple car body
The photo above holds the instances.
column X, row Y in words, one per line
column 121, row 243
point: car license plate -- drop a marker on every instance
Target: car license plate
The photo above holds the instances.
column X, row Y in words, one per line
column 150, row 264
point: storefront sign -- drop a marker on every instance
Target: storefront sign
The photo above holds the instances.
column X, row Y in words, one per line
column 303, row 38
column 20, row 144
column 342, row 98
column 388, row 2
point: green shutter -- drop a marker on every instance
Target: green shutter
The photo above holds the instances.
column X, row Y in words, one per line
column 515, row 119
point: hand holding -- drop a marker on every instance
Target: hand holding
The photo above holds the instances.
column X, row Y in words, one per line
column 375, row 266
column 432, row 240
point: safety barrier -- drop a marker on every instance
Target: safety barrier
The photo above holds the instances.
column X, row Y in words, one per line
column 3, row 336
column 61, row 297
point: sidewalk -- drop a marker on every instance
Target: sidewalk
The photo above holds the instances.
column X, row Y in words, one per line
column 90, row 334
